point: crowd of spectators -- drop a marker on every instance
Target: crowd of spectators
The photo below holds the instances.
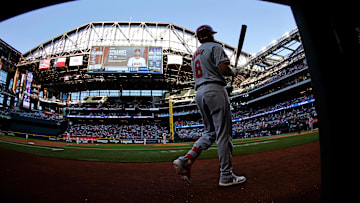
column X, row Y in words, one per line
column 4, row 112
column 3, row 88
column 186, row 122
column 34, row 114
column 277, row 72
column 240, row 113
column 39, row 115
column 122, row 104
column 110, row 113
column 263, row 121
column 119, row 131
column 275, row 123
column 116, row 103
column 190, row 133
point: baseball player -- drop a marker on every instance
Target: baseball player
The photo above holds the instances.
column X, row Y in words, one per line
column 137, row 60
column 164, row 138
column 210, row 64
column 68, row 139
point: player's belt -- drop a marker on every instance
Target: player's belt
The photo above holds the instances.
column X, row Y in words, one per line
column 212, row 82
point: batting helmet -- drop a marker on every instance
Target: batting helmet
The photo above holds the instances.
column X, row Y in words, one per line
column 207, row 28
column 205, row 33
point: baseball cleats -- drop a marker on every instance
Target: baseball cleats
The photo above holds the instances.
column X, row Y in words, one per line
column 234, row 181
column 183, row 169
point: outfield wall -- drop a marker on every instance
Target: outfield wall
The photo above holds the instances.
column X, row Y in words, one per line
column 21, row 126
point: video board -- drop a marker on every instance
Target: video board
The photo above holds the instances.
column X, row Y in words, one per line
column 125, row 59
column 27, row 91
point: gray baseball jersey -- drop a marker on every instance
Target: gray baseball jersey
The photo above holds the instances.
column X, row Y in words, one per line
column 213, row 103
column 205, row 62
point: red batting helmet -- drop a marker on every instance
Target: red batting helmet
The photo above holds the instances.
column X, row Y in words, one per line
column 205, row 33
column 207, row 28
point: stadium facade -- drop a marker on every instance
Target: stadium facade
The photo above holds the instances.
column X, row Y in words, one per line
column 112, row 81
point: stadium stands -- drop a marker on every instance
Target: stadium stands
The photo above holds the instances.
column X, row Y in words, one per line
column 118, row 131
column 280, row 118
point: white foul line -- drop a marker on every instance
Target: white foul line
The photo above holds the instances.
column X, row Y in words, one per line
column 36, row 146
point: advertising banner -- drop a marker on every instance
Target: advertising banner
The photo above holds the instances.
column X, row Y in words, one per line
column 173, row 59
column 15, row 81
column 76, row 61
column 96, row 58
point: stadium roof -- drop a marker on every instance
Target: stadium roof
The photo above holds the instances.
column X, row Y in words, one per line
column 276, row 51
column 173, row 38
column 3, row 43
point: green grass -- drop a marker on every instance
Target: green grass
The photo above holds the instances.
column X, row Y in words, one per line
column 148, row 154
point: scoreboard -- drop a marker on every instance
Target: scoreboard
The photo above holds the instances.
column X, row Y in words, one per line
column 125, row 59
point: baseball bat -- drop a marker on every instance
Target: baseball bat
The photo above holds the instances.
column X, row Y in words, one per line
column 239, row 48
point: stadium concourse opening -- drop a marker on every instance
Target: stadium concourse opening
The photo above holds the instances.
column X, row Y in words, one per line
column 95, row 83
column 326, row 32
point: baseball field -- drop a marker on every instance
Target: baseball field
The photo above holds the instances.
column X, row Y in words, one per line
column 283, row 168
column 149, row 152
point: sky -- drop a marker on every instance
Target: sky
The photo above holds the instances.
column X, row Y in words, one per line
column 266, row 21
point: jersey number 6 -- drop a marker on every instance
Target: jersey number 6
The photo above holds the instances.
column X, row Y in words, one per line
column 198, row 70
